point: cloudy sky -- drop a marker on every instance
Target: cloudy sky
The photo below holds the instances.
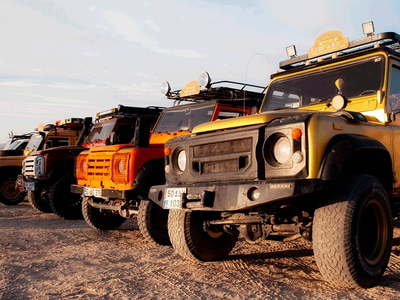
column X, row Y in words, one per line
column 70, row 58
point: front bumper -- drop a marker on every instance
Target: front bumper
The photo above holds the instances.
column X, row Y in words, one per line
column 234, row 196
column 26, row 185
column 102, row 192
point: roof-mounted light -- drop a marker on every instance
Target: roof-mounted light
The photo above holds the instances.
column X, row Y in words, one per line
column 204, row 79
column 291, row 51
column 68, row 121
column 165, row 88
column 368, row 28
column 106, row 112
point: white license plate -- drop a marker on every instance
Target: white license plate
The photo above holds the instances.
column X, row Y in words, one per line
column 172, row 199
column 92, row 192
column 29, row 186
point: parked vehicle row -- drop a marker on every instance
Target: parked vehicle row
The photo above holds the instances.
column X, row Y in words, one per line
column 314, row 155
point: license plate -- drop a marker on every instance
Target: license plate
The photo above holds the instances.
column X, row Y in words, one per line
column 92, row 192
column 172, row 199
column 29, row 186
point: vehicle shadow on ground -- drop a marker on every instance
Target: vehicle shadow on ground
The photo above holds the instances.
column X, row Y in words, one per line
column 273, row 255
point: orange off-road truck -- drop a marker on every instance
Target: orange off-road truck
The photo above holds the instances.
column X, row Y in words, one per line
column 114, row 181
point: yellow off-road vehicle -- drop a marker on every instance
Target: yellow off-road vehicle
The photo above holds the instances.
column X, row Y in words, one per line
column 320, row 161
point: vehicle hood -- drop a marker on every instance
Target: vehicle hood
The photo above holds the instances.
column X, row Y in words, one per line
column 261, row 118
column 58, row 150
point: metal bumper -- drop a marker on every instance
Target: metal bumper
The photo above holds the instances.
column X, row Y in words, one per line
column 20, row 183
column 105, row 193
column 235, row 196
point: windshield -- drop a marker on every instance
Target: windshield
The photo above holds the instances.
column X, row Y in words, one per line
column 34, row 142
column 16, row 145
column 100, row 131
column 185, row 118
column 360, row 78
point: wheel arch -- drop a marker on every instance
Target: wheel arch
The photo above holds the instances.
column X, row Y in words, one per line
column 348, row 154
column 4, row 171
column 60, row 169
column 151, row 173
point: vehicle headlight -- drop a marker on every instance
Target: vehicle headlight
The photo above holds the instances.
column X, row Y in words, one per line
column 282, row 150
column 182, row 160
column 121, row 166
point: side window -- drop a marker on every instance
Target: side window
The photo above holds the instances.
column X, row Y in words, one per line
column 125, row 134
column 394, row 89
column 57, row 142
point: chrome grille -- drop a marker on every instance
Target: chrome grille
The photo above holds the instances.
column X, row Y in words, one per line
column 33, row 166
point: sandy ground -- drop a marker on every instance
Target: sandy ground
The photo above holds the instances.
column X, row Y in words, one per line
column 44, row 257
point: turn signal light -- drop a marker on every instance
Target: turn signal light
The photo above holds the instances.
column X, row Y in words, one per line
column 167, row 151
column 296, row 133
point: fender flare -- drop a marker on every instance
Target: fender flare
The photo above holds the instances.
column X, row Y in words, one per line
column 151, row 173
column 342, row 148
column 60, row 169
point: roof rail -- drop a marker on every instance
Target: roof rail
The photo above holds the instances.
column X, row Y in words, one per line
column 129, row 111
column 385, row 39
column 222, row 90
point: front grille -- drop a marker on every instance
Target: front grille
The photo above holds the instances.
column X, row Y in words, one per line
column 220, row 166
column 28, row 167
column 222, row 157
column 226, row 147
column 33, row 167
column 98, row 168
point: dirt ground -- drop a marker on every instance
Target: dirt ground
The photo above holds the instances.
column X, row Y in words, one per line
column 44, row 257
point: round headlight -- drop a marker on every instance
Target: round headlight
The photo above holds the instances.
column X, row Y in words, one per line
column 282, row 150
column 182, row 160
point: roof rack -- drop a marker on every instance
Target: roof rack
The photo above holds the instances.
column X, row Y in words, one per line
column 15, row 137
column 205, row 90
column 390, row 40
column 129, row 111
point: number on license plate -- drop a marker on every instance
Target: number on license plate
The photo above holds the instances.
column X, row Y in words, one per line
column 173, row 199
column 92, row 192
column 29, row 186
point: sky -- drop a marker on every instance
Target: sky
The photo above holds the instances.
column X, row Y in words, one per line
column 73, row 58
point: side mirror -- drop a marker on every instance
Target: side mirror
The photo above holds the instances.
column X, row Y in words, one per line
column 142, row 132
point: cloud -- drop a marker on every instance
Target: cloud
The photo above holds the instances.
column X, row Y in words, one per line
column 90, row 54
column 152, row 25
column 127, row 27
column 133, row 30
column 178, row 52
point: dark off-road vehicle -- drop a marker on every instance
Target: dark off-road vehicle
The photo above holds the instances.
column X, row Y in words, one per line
column 62, row 132
column 48, row 174
column 321, row 161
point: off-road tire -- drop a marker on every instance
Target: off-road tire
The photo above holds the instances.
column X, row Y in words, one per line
column 64, row 203
column 352, row 233
column 152, row 220
column 38, row 201
column 100, row 220
column 191, row 241
column 9, row 194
